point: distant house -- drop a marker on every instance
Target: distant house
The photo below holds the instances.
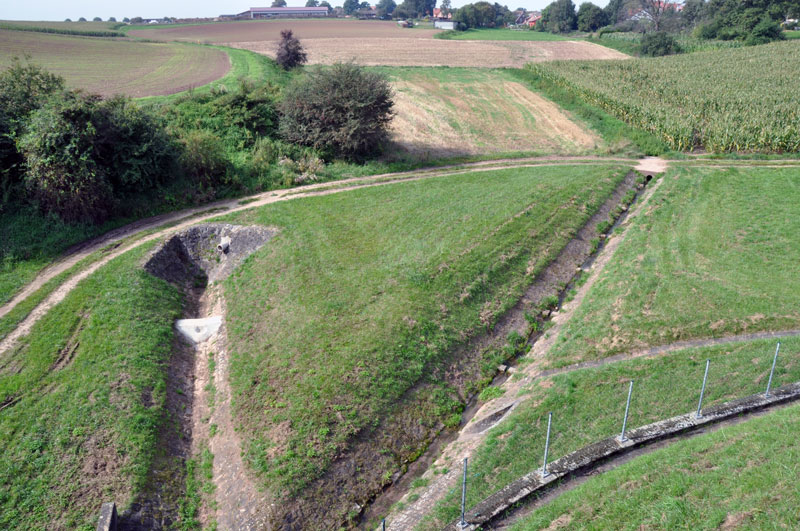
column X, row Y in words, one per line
column 533, row 19
column 288, row 12
column 437, row 13
column 367, row 13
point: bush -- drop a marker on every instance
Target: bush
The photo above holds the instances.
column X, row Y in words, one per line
column 342, row 110
column 203, row 157
column 767, row 30
column 290, row 51
column 83, row 155
column 658, row 44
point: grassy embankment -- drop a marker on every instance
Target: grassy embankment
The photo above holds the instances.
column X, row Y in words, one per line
column 500, row 34
column 745, row 101
column 715, row 254
column 740, row 476
column 363, row 294
column 83, row 399
column 706, row 252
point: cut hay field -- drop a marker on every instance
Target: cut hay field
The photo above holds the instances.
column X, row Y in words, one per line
column 270, row 30
column 108, row 67
column 715, row 253
column 409, row 51
column 345, row 321
column 455, row 111
column 733, row 100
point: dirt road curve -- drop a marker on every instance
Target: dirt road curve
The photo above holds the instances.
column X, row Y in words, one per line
column 181, row 220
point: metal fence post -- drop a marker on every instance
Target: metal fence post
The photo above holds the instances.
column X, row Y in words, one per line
column 772, row 371
column 463, row 523
column 622, row 437
column 702, row 392
column 544, row 471
column 383, row 525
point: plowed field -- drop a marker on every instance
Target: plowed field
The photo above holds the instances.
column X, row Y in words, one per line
column 410, row 51
column 109, row 67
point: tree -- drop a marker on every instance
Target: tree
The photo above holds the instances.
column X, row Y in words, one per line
column 290, row 51
column 655, row 10
column 445, row 7
column 343, row 111
column 312, row 3
column 97, row 19
column 82, row 19
column 325, row 3
column 350, row 6
column 67, row 20
column 615, row 10
column 136, row 20
column 559, row 17
column 658, row 44
column 386, row 8
column 112, row 19
column 591, row 17
column 126, row 20
column 278, row 3
column 482, row 15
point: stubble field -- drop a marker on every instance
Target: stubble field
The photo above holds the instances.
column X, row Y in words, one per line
column 110, row 67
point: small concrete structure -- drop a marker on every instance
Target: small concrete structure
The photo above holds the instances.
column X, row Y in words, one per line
column 198, row 330
column 108, row 517
column 444, row 24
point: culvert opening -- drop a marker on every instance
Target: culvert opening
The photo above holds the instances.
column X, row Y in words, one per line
column 492, row 419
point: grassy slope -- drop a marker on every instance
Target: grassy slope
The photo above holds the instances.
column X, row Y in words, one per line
column 85, row 433
column 588, row 405
column 343, row 311
column 487, row 34
column 743, row 475
column 715, row 254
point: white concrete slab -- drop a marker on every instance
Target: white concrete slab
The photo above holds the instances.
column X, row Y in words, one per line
column 198, row 330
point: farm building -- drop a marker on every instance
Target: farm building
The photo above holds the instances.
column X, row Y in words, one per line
column 437, row 13
column 288, row 12
column 444, row 24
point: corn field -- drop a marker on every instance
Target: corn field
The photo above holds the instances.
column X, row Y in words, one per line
column 744, row 99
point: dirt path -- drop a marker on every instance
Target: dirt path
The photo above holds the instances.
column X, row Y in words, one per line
column 184, row 219
column 470, row 438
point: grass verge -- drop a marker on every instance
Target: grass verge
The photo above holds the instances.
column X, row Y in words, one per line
column 84, row 396
column 363, row 293
column 714, row 254
column 742, row 475
column 588, row 405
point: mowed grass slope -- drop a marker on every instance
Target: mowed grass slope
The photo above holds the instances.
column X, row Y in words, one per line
column 469, row 111
column 714, row 254
column 363, row 292
column 82, row 399
column 588, row 405
column 108, row 66
column 743, row 99
column 742, row 476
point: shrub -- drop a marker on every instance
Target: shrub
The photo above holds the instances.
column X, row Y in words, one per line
column 26, row 87
column 767, row 30
column 290, row 51
column 342, row 110
column 203, row 157
column 83, row 154
column 658, row 44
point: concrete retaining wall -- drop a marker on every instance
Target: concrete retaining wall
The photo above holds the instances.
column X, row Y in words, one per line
column 593, row 455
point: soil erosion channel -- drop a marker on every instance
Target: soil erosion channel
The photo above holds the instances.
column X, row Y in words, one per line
column 198, row 394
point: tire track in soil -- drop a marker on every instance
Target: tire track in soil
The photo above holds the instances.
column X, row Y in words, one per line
column 185, row 219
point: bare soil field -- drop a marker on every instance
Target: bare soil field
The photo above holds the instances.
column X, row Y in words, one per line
column 269, row 30
column 110, row 67
column 455, row 112
column 410, row 51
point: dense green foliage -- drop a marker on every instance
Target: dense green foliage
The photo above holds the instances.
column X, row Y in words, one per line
column 482, row 15
column 558, row 17
column 659, row 44
column 84, row 154
column 342, row 111
column 727, row 100
column 588, row 405
column 715, row 256
column 84, row 397
column 591, row 17
column 408, row 270
column 755, row 21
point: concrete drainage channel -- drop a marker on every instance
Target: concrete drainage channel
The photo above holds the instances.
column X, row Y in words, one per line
column 595, row 455
column 196, row 260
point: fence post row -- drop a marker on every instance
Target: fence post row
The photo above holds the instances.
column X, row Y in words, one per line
column 702, row 392
column 772, row 371
column 622, row 437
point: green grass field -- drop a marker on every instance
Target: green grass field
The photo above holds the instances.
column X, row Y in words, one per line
column 83, row 399
column 737, row 100
column 108, row 66
column 714, row 254
column 363, row 293
column 742, row 477
column 500, row 34
column 588, row 405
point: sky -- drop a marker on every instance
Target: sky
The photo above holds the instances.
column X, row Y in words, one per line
column 74, row 9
